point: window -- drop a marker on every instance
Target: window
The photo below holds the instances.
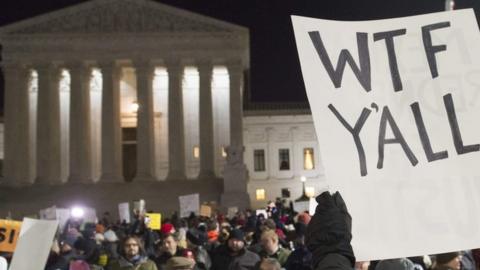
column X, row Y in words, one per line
column 259, row 160
column 260, row 194
column 284, row 159
column 308, row 160
column 196, row 152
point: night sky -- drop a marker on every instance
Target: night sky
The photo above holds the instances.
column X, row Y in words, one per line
column 275, row 71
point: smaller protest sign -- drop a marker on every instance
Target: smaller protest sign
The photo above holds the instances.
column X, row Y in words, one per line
column 9, row 232
column 232, row 211
column 262, row 212
column 34, row 243
column 49, row 213
column 90, row 215
column 189, row 204
column 153, row 220
column 139, row 207
column 205, row 211
column 62, row 214
column 301, row 206
column 312, row 206
column 124, row 212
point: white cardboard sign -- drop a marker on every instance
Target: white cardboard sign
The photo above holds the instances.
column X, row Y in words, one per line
column 396, row 107
column 124, row 212
column 34, row 243
column 188, row 204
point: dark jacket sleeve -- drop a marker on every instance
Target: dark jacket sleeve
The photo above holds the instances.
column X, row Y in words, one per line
column 334, row 261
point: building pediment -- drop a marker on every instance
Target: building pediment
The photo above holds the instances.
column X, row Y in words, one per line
column 120, row 16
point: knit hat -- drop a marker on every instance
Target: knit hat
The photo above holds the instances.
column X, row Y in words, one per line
column 110, row 236
column 304, row 218
column 167, row 228
column 444, row 258
column 178, row 262
column 395, row 264
column 237, row 234
column 197, row 237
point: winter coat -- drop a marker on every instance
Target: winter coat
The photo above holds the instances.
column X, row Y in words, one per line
column 123, row 264
column 224, row 260
column 299, row 259
column 334, row 261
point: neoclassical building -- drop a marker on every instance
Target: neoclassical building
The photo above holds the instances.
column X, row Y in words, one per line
column 113, row 100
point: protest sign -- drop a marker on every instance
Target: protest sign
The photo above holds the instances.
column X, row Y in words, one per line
column 9, row 231
column 3, row 263
column 124, row 212
column 49, row 213
column 189, row 204
column 312, row 206
column 262, row 212
column 154, row 220
column 139, row 207
column 232, row 211
column 396, row 105
column 62, row 214
column 90, row 215
column 205, row 211
column 34, row 243
column 301, row 206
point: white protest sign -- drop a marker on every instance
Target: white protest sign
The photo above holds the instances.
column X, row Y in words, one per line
column 301, row 206
column 232, row 211
column 33, row 246
column 312, row 206
column 3, row 263
column 90, row 215
column 188, row 204
column 261, row 212
column 62, row 214
column 124, row 212
column 49, row 213
column 396, row 109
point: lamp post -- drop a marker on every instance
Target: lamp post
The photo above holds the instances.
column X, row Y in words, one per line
column 304, row 196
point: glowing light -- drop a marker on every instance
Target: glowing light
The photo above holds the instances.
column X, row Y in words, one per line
column 303, row 179
column 260, row 194
column 77, row 212
column 310, row 191
column 134, row 107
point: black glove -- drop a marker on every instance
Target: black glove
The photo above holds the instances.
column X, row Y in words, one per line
column 330, row 229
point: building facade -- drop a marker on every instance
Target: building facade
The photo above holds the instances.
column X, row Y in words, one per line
column 117, row 100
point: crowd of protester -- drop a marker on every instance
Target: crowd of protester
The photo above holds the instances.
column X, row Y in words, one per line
column 281, row 240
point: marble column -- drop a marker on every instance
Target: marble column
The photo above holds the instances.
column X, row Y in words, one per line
column 176, row 136
column 207, row 169
column 145, row 133
column 18, row 154
column 235, row 71
column 235, row 172
column 48, row 125
column 80, row 124
column 111, row 126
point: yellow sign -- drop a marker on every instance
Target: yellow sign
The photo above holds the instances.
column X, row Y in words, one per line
column 154, row 220
column 205, row 211
column 9, row 232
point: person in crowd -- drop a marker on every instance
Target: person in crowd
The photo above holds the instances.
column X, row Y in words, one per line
column 61, row 260
column 196, row 239
column 329, row 234
column 180, row 263
column 271, row 247
column 233, row 255
column 87, row 255
column 168, row 248
column 269, row 264
column 448, row 261
column 301, row 257
column 395, row 264
column 132, row 256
